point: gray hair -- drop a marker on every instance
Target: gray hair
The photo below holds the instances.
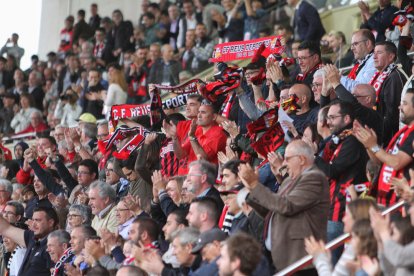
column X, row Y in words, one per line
column 90, row 130
column 104, row 190
column 303, row 149
column 17, row 206
column 188, row 235
column 207, row 168
column 61, row 235
column 6, row 184
column 17, row 186
column 101, row 123
column 83, row 210
column 320, row 73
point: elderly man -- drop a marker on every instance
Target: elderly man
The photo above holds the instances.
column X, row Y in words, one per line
column 102, row 201
column 300, row 208
column 78, row 237
column 36, row 123
column 59, row 250
column 202, row 176
column 362, row 45
column 124, row 217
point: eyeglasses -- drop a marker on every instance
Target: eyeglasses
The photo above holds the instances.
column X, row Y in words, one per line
column 316, row 85
column 102, row 136
column 355, row 44
column 304, row 58
column 287, row 158
column 194, row 174
column 70, row 216
column 7, row 213
column 121, row 210
column 109, row 170
column 83, row 173
column 333, row 117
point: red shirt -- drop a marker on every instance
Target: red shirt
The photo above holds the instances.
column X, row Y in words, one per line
column 41, row 127
column 183, row 127
column 213, row 141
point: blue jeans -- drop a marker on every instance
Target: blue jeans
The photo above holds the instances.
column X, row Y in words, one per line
column 335, row 229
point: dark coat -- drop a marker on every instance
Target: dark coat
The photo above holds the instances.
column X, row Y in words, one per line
column 308, row 23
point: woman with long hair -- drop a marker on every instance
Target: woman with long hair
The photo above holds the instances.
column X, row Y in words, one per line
column 116, row 93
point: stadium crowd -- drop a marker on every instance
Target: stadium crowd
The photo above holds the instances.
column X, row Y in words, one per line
column 305, row 153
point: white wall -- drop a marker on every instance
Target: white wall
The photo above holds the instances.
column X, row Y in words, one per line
column 54, row 13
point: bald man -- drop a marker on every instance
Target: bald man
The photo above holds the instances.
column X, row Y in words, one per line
column 305, row 115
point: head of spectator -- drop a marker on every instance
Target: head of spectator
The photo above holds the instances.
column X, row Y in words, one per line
column 356, row 210
column 209, row 244
column 44, row 221
column 19, row 77
column 28, row 193
column 202, row 176
column 13, row 212
column 116, row 76
column 35, row 79
column 59, row 134
column 78, row 215
column 167, row 53
column 40, row 188
column 383, row 3
column 206, row 116
column 78, row 236
column 203, row 214
column 340, row 116
column 385, row 53
column 9, row 100
column 363, row 240
column 87, row 172
column 94, row 9
column 57, row 243
column 155, row 9
column 69, row 22
column 183, row 243
column 94, row 77
column 228, row 5
column 299, row 156
column 304, row 94
column 130, row 270
column 230, row 174
column 311, row 136
column 101, row 195
column 188, row 8
column 144, row 230
column 106, row 23
column 402, row 231
column 174, row 188
column 336, row 40
column 19, row 149
column 362, row 43
column 102, row 130
column 284, row 30
column 100, row 35
column 317, row 84
column 148, row 20
column 193, row 105
column 309, row 56
column 200, row 32
column 322, row 123
column 240, row 254
column 45, row 142
column 175, row 221
column 173, row 12
column 122, row 212
column 187, row 194
column 17, row 192
column 36, row 119
column 407, row 107
column 365, row 94
column 6, row 190
column 128, row 169
column 154, row 51
column 111, row 176
column 9, row 169
column 117, row 17
column 26, row 100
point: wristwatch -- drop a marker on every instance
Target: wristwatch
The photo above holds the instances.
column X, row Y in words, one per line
column 375, row 149
column 78, row 148
column 192, row 138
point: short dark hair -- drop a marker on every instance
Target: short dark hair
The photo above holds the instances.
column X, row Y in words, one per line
column 91, row 165
column 154, row 6
column 245, row 248
column 81, row 13
column 50, row 214
column 87, row 231
column 51, row 139
column 19, row 208
column 94, row 5
column 344, row 108
column 312, row 46
column 209, row 205
column 180, row 216
column 174, row 118
column 149, row 15
column 411, row 91
column 196, row 97
column 232, row 165
column 389, row 47
column 368, row 35
column 149, row 225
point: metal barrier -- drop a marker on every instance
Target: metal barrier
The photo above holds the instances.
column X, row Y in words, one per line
column 331, row 245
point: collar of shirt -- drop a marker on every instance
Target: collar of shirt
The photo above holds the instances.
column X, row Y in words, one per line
column 105, row 211
column 125, row 224
column 204, row 193
column 298, row 4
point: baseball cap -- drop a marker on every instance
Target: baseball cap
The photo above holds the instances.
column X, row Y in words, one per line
column 87, row 118
column 207, row 237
